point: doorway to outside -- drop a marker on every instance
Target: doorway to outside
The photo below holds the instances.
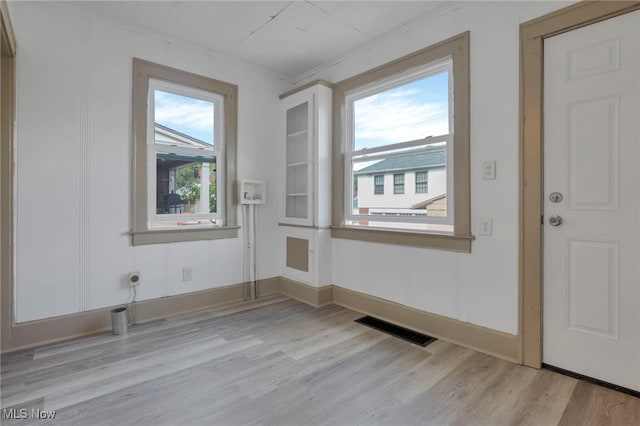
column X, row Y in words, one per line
column 590, row 292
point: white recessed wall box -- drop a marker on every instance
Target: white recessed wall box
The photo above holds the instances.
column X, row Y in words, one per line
column 252, row 191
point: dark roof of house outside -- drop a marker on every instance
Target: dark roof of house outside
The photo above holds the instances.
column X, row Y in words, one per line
column 408, row 162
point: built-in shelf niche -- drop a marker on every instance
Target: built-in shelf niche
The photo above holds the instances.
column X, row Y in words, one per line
column 298, row 162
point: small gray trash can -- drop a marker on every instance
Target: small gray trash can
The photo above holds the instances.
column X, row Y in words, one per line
column 119, row 321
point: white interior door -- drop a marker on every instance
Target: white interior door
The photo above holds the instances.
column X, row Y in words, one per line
column 591, row 305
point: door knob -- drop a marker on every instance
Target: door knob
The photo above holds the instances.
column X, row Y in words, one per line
column 555, row 220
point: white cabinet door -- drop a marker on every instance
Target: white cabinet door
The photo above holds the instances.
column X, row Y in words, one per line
column 298, row 158
column 592, row 222
column 306, row 166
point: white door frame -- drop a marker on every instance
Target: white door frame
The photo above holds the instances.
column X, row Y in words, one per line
column 532, row 35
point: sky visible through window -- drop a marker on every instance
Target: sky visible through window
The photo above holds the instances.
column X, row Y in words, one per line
column 405, row 113
column 191, row 116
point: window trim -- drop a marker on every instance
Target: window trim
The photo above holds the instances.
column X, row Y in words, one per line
column 143, row 72
column 457, row 48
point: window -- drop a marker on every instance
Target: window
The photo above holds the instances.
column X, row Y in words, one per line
column 422, row 186
column 397, row 125
column 378, row 182
column 398, row 183
column 406, row 118
column 184, row 151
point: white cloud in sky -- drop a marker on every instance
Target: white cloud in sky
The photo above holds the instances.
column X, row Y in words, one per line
column 399, row 115
column 190, row 116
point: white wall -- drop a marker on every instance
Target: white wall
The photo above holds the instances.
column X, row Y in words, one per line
column 73, row 171
column 74, row 252
column 481, row 287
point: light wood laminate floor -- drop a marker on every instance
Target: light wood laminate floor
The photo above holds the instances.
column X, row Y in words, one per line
column 277, row 361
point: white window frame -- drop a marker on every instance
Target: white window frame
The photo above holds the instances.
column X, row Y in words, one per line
column 144, row 163
column 400, row 149
column 217, row 152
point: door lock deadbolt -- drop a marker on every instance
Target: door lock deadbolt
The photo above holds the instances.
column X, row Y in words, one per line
column 555, row 197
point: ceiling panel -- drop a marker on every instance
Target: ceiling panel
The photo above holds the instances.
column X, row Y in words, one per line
column 366, row 17
column 407, row 11
column 301, row 35
column 149, row 15
column 289, row 37
column 221, row 25
column 328, row 6
column 195, row 22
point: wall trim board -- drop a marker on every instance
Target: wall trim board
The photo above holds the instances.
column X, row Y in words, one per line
column 163, row 307
column 532, row 35
column 314, row 296
column 492, row 342
column 7, row 119
column 51, row 330
column 269, row 286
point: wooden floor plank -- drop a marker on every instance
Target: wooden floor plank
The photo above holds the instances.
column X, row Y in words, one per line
column 277, row 361
column 597, row 406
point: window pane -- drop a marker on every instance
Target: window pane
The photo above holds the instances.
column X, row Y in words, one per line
column 183, row 121
column 421, row 183
column 185, row 184
column 408, row 112
column 378, row 184
column 404, row 201
column 398, row 184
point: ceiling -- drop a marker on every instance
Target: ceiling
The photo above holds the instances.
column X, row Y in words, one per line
column 288, row 37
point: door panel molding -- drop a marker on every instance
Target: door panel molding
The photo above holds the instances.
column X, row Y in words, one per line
column 587, row 258
column 532, row 35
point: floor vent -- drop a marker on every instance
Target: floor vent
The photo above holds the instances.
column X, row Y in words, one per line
column 397, row 331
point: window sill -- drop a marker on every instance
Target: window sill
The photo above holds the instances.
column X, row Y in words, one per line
column 180, row 235
column 461, row 243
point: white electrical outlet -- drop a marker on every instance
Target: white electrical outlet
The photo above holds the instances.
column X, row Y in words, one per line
column 187, row 274
column 486, row 226
column 489, row 170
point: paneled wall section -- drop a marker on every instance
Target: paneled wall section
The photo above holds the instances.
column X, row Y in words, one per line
column 74, row 251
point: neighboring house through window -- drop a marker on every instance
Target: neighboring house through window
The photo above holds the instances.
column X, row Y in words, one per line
column 184, row 150
column 408, row 121
column 410, row 197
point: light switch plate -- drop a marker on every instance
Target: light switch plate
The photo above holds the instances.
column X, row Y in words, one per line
column 489, row 170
